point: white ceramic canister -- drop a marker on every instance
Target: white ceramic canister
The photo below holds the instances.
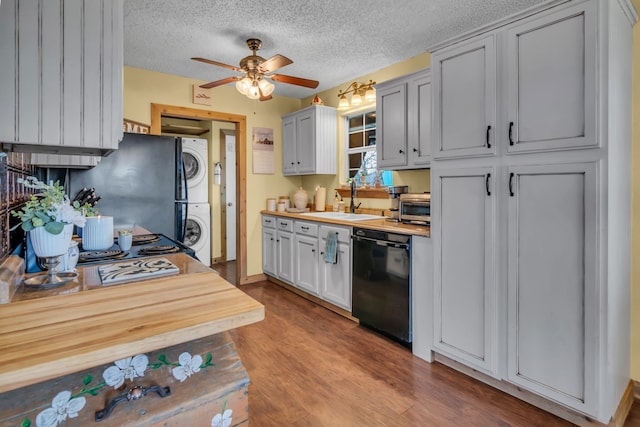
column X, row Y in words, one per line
column 300, row 198
column 97, row 234
column 271, row 205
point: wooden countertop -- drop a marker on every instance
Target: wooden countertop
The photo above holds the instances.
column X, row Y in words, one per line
column 84, row 324
column 373, row 224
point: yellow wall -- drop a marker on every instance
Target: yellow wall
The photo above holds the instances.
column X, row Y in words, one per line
column 635, row 208
column 143, row 87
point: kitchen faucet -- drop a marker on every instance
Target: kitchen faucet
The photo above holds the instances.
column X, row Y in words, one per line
column 352, row 206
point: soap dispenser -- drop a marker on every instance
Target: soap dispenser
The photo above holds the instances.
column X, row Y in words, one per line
column 336, row 202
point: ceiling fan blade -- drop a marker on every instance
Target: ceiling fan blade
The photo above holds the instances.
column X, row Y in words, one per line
column 219, row 64
column 294, row 80
column 220, row 82
column 273, row 63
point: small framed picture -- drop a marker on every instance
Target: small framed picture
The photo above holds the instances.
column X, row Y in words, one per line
column 202, row 96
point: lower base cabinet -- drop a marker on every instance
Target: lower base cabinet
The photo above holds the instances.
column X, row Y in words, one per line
column 293, row 251
column 335, row 279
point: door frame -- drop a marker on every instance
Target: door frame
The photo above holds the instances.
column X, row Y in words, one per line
column 159, row 110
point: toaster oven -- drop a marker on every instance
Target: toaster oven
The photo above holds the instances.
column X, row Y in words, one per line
column 415, row 208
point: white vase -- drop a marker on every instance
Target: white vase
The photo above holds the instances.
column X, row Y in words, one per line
column 300, row 198
column 46, row 244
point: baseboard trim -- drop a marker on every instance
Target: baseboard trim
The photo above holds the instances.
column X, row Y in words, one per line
column 313, row 298
column 554, row 408
column 253, row 279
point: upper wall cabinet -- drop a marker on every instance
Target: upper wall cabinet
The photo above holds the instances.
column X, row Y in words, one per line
column 548, row 88
column 464, row 97
column 403, row 106
column 61, row 76
column 309, row 141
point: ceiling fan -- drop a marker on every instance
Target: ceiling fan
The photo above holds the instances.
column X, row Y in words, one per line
column 253, row 83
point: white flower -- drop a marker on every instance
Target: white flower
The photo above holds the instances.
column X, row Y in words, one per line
column 66, row 213
column 222, row 420
column 128, row 368
column 62, row 406
column 188, row 366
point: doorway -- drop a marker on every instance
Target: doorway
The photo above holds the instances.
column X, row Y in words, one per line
column 160, row 110
column 229, row 192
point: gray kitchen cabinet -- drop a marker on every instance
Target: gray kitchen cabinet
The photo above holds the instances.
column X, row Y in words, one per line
column 562, row 214
column 269, row 246
column 335, row 279
column 403, row 106
column 551, row 81
column 552, row 280
column 464, row 99
column 422, row 296
column 391, row 124
column 463, row 231
column 306, row 257
column 64, row 161
column 309, row 141
column 61, row 76
column 284, row 250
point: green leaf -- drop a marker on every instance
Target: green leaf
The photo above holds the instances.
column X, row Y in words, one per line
column 162, row 358
column 27, row 226
column 37, row 222
column 208, row 358
column 54, row 227
column 87, row 380
column 25, row 423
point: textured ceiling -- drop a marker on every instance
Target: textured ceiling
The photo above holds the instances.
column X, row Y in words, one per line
column 330, row 41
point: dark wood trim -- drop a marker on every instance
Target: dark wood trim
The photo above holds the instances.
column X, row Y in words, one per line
column 159, row 110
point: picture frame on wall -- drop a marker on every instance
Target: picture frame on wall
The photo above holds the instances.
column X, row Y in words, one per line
column 202, row 96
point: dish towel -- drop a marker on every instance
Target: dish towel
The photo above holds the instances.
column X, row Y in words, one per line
column 331, row 248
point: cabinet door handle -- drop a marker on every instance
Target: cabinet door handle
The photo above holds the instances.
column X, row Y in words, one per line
column 415, row 150
column 400, row 151
column 278, row 241
column 511, row 193
column 313, row 250
column 304, row 228
column 486, row 184
column 510, row 133
column 488, row 134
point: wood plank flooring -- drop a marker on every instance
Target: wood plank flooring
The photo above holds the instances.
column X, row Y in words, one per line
column 311, row 367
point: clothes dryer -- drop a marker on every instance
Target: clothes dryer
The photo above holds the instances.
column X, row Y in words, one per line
column 195, row 157
column 198, row 233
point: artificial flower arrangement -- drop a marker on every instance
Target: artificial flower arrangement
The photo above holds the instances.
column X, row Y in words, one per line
column 51, row 208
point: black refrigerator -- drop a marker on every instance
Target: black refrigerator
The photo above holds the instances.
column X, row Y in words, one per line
column 142, row 183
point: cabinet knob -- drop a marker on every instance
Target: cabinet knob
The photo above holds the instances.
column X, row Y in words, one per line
column 415, row 150
column 313, row 250
column 400, row 151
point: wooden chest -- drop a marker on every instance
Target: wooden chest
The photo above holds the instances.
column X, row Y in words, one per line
column 208, row 386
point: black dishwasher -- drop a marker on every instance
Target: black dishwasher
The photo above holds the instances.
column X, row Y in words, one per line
column 381, row 285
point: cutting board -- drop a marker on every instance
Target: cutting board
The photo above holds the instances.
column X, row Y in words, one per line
column 136, row 269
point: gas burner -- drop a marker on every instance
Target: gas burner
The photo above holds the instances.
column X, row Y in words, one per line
column 143, row 239
column 158, row 249
column 90, row 256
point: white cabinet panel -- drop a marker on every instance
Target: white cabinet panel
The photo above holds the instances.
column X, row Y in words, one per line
column 61, row 77
column 306, row 263
column 335, row 279
column 284, row 259
column 309, row 141
column 551, row 98
column 552, row 280
column 465, row 99
column 463, row 233
column 391, row 127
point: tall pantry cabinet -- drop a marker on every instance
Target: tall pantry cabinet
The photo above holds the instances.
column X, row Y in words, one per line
column 531, row 187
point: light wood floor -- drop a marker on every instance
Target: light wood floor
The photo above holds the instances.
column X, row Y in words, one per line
column 311, row 367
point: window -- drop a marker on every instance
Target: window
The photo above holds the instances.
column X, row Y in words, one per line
column 361, row 150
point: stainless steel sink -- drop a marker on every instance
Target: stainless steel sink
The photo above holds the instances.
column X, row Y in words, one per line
column 343, row 216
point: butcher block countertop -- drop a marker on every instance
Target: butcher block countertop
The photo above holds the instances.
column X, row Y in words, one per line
column 51, row 333
column 373, row 224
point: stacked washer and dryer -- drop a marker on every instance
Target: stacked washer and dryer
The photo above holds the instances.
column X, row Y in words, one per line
column 198, row 233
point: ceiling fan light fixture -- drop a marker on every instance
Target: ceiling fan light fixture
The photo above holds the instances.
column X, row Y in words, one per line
column 253, row 92
column 243, row 85
column 266, row 87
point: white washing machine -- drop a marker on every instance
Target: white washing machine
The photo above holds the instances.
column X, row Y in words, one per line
column 198, row 234
column 195, row 158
